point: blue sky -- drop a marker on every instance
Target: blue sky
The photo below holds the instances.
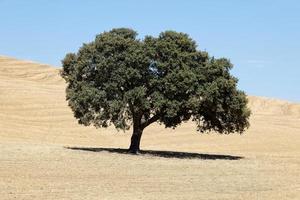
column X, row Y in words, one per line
column 260, row 37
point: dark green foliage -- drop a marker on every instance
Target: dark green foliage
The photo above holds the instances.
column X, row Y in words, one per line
column 122, row 80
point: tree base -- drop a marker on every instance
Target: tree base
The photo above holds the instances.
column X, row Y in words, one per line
column 134, row 147
column 134, row 151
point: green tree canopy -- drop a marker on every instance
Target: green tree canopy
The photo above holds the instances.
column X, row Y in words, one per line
column 125, row 81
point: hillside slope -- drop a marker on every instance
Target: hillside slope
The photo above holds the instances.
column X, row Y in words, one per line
column 36, row 123
column 33, row 107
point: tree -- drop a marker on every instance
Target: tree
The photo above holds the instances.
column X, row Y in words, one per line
column 121, row 80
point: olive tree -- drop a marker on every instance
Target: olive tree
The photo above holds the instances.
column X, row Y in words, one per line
column 121, row 80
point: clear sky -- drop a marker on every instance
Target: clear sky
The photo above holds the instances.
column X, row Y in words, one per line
column 260, row 37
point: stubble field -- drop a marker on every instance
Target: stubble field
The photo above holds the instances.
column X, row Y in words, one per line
column 45, row 154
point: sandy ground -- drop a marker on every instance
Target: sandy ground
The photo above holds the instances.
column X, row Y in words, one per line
column 36, row 126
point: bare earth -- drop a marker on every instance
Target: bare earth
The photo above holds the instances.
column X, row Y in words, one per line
column 36, row 126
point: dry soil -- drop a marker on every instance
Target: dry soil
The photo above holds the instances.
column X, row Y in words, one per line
column 38, row 159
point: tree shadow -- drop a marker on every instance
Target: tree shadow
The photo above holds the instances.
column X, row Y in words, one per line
column 164, row 154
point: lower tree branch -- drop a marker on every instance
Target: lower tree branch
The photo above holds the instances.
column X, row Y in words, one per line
column 151, row 120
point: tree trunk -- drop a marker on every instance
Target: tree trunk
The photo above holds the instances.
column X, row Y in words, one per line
column 135, row 140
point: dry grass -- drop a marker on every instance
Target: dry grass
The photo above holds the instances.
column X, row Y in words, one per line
column 36, row 125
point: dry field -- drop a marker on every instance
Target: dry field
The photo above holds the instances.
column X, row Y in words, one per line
column 36, row 126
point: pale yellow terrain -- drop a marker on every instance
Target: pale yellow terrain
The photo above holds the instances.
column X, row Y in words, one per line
column 36, row 125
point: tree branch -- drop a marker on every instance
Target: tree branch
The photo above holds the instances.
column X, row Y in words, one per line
column 131, row 108
column 151, row 120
